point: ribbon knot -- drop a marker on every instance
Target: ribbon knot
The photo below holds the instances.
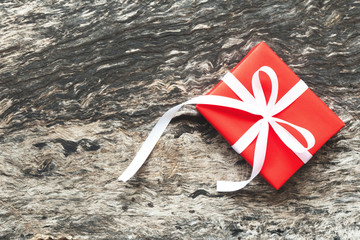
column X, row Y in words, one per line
column 255, row 104
column 267, row 118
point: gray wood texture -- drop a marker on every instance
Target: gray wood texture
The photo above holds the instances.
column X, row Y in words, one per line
column 83, row 82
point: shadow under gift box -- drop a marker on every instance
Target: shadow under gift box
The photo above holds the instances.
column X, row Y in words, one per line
column 308, row 111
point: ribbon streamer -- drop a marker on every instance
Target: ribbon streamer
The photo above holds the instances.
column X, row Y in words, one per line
column 255, row 104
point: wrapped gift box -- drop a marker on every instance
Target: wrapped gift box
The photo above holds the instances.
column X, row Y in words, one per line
column 308, row 112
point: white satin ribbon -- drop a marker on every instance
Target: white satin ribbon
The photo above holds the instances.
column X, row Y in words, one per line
column 255, row 104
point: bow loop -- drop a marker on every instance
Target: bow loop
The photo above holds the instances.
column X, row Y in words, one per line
column 259, row 92
column 289, row 140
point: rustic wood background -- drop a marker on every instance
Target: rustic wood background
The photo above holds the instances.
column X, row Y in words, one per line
column 83, row 82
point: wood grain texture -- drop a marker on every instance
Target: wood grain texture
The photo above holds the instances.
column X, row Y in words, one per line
column 83, row 82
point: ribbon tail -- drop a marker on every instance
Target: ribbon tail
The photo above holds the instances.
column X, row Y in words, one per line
column 229, row 186
column 149, row 144
column 259, row 158
column 164, row 121
column 245, row 140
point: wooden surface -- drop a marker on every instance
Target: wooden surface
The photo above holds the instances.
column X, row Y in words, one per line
column 83, row 82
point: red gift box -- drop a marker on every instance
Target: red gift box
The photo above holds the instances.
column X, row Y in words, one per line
column 307, row 111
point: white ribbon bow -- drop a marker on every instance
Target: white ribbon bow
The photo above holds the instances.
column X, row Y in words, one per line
column 256, row 105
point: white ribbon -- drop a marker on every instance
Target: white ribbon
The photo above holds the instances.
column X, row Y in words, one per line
column 255, row 104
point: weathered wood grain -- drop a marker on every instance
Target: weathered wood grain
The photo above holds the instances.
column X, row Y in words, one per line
column 83, row 82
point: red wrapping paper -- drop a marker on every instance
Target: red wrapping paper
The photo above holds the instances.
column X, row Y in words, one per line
column 308, row 111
